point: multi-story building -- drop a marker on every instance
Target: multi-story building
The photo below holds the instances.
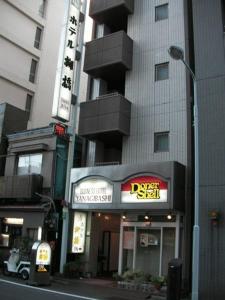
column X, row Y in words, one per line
column 134, row 189
column 34, row 54
column 30, row 40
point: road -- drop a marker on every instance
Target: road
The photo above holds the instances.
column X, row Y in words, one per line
column 10, row 290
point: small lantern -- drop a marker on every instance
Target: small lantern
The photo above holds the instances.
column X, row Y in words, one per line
column 214, row 216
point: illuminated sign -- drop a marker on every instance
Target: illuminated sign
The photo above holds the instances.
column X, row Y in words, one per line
column 93, row 191
column 144, row 189
column 59, row 129
column 79, row 232
column 43, row 256
column 64, row 80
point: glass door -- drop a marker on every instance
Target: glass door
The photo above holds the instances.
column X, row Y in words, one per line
column 148, row 250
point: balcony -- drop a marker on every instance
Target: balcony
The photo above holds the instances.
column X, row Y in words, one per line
column 107, row 118
column 110, row 12
column 109, row 57
column 20, row 186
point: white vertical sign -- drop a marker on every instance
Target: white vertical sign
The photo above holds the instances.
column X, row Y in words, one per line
column 63, row 89
column 79, row 232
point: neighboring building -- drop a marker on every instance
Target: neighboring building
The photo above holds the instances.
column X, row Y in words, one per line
column 33, row 169
column 134, row 189
column 32, row 188
column 29, row 54
column 209, row 49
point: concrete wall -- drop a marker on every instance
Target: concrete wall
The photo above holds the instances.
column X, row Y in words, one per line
column 157, row 105
column 210, row 73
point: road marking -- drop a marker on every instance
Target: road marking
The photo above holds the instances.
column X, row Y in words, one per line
column 47, row 290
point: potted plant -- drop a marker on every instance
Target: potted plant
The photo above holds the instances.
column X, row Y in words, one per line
column 158, row 281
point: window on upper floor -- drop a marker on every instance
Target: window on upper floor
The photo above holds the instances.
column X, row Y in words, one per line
column 28, row 103
column 42, row 8
column 33, row 69
column 162, row 71
column 29, row 164
column 37, row 40
column 161, row 12
column 161, row 142
column 223, row 13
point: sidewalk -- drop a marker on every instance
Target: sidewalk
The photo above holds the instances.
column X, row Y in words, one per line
column 100, row 289
column 96, row 288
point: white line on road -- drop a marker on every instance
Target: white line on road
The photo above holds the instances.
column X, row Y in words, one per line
column 47, row 290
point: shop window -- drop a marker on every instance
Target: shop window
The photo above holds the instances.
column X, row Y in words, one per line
column 161, row 12
column 162, row 71
column 11, row 230
column 4, row 240
column 161, row 142
column 29, row 164
column 37, row 39
column 32, row 233
column 33, row 69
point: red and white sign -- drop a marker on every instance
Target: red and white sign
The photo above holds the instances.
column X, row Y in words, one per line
column 144, row 189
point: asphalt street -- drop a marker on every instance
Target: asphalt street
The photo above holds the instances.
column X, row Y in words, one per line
column 18, row 291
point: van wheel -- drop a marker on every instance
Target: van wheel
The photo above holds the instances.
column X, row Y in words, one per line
column 24, row 274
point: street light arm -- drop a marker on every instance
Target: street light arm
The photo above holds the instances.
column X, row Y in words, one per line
column 189, row 69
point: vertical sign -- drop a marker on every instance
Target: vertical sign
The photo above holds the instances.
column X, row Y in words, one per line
column 63, row 93
column 79, row 231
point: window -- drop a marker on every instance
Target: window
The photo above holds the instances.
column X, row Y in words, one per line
column 29, row 164
column 162, row 71
column 32, row 233
column 28, row 102
column 223, row 13
column 37, row 39
column 161, row 142
column 42, row 8
column 33, row 68
column 161, row 12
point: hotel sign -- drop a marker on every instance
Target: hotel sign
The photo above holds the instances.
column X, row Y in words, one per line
column 79, row 232
column 64, row 80
column 93, row 190
column 144, row 189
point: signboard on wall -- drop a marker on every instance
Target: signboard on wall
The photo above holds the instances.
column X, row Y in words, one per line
column 144, row 189
column 79, row 232
column 63, row 88
column 93, row 190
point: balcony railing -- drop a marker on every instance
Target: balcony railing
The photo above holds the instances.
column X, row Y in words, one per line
column 110, row 11
column 20, row 186
column 105, row 118
column 109, row 57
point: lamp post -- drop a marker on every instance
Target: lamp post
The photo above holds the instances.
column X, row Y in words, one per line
column 178, row 54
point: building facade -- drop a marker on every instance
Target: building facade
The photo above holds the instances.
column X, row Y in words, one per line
column 209, row 49
column 34, row 145
column 134, row 189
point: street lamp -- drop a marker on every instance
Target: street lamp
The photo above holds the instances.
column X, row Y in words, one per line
column 178, row 54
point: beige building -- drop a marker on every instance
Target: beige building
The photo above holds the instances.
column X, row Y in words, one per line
column 32, row 38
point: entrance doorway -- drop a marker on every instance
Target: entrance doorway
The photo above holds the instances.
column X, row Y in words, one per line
column 148, row 247
column 105, row 239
